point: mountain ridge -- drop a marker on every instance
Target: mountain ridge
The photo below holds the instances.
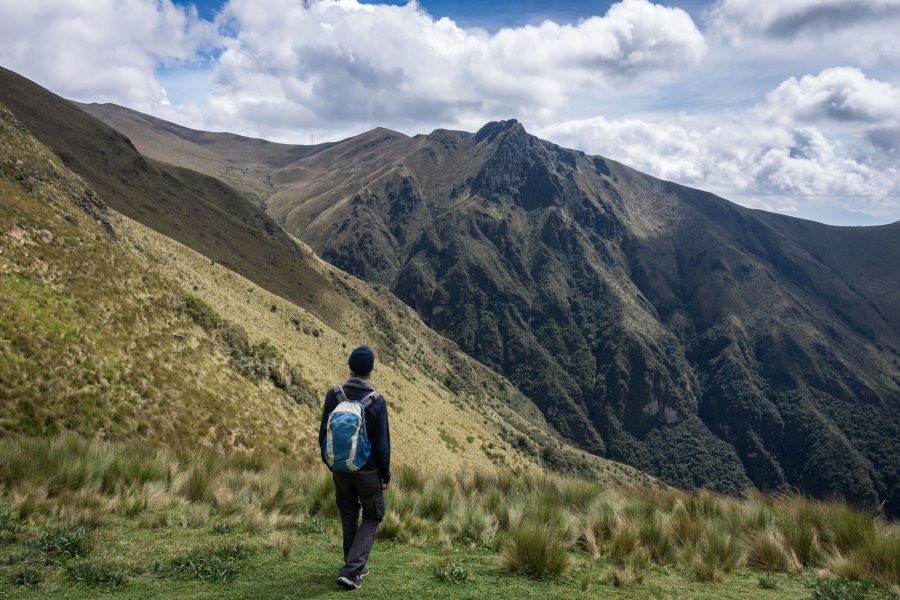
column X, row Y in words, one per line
column 707, row 343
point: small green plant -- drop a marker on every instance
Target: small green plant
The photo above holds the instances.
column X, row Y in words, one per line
column 28, row 577
column 63, row 542
column 218, row 565
column 313, row 524
column 450, row 573
column 768, row 581
column 96, row 574
column 200, row 312
column 844, row 589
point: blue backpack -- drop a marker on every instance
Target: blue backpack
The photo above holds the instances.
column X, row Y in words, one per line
column 346, row 446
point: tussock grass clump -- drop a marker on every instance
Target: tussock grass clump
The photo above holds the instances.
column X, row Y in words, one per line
column 279, row 492
column 132, row 501
column 877, row 559
column 283, row 541
column 320, row 497
column 655, row 534
column 391, row 525
column 154, row 520
column 632, row 569
column 624, row 540
column 536, row 549
column 252, row 519
column 472, row 523
column 847, row 527
column 767, row 550
column 196, row 516
column 196, row 485
column 436, row 499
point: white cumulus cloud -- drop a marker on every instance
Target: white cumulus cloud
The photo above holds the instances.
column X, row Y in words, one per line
column 865, row 29
column 99, row 49
column 290, row 65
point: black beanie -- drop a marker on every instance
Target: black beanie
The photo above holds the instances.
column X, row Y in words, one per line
column 361, row 361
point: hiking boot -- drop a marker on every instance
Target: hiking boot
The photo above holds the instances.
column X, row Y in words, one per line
column 350, row 583
column 364, row 572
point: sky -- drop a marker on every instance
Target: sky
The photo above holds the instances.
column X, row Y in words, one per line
column 790, row 106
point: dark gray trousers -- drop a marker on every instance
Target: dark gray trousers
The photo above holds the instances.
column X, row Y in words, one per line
column 355, row 491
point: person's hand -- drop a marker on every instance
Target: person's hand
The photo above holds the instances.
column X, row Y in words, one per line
column 386, row 486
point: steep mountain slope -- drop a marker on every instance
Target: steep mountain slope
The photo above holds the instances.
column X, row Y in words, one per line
column 706, row 343
column 99, row 327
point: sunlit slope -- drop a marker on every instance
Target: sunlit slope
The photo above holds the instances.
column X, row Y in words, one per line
column 92, row 338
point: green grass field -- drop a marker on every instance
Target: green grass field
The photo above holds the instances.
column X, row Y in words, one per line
column 84, row 518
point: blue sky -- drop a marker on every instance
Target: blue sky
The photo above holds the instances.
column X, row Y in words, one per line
column 784, row 105
column 492, row 14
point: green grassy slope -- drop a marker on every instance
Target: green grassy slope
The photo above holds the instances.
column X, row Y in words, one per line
column 93, row 340
column 80, row 519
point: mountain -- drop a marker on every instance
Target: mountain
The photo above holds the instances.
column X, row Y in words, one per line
column 114, row 328
column 706, row 343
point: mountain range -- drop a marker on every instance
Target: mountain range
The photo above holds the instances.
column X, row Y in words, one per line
column 708, row 344
column 704, row 343
column 151, row 302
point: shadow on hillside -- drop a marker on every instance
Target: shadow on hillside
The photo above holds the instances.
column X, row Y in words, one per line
column 305, row 583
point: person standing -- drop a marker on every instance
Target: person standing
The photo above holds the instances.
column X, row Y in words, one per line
column 357, row 487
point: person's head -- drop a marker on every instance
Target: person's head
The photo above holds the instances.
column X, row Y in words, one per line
column 361, row 361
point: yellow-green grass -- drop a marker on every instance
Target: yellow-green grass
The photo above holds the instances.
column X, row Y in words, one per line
column 91, row 339
column 145, row 512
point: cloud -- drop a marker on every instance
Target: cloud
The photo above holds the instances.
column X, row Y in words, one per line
column 289, row 65
column 100, row 50
column 823, row 142
column 787, row 19
column 862, row 29
column 840, row 94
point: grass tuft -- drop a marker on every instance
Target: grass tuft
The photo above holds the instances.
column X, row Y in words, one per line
column 767, row 550
column 281, row 540
column 536, row 549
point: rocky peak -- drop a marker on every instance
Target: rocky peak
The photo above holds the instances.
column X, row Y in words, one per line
column 492, row 130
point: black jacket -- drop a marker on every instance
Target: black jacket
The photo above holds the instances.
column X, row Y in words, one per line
column 377, row 429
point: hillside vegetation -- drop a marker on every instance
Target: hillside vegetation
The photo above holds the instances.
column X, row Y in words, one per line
column 80, row 517
column 705, row 343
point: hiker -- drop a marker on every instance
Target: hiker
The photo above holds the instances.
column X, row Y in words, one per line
column 359, row 459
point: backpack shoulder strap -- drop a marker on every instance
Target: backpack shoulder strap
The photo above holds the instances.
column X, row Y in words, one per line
column 368, row 400
column 339, row 394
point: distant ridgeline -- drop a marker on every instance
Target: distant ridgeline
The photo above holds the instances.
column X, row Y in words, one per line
column 705, row 343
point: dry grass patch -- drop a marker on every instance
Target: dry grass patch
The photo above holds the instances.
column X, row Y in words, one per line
column 283, row 541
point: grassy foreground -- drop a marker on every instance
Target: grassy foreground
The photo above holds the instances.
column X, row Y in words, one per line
column 80, row 518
